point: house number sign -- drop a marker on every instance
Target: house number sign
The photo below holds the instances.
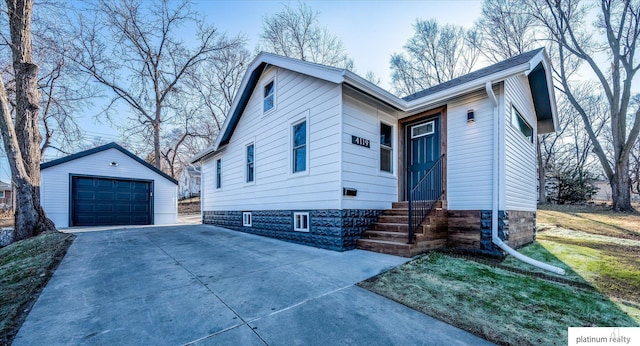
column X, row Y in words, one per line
column 360, row 141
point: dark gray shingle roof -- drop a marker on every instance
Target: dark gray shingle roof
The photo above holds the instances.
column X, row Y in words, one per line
column 503, row 65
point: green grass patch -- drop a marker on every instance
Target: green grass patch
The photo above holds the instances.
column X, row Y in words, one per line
column 595, row 246
column 496, row 304
column 25, row 268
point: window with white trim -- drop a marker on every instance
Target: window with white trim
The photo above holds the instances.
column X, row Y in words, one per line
column 522, row 125
column 269, row 96
column 386, row 149
column 250, row 164
column 218, row 173
column 246, row 218
column 299, row 147
column 301, row 222
column 1, row 193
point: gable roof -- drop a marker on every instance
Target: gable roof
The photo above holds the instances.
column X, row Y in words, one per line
column 4, row 186
column 534, row 64
column 108, row 146
column 483, row 72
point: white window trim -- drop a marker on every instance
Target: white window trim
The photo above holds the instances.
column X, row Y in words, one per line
column 273, row 79
column 244, row 163
column 533, row 131
column 433, row 129
column 216, row 175
column 393, row 148
column 247, row 219
column 302, row 215
column 2, row 194
column 301, row 118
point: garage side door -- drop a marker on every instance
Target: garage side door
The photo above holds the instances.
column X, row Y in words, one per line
column 106, row 202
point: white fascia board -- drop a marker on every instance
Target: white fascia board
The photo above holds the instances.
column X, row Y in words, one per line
column 327, row 73
column 205, row 154
column 374, row 90
column 461, row 89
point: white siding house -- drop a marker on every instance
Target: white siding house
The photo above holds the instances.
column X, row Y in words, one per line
column 318, row 155
column 107, row 185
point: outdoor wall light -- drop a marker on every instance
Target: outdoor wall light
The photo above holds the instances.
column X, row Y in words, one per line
column 113, row 163
column 471, row 116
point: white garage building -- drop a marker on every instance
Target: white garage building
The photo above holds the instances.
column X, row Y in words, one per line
column 105, row 186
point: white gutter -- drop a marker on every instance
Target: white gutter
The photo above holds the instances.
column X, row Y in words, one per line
column 494, row 212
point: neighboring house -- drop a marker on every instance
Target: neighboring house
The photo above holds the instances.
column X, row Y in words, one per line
column 189, row 183
column 6, row 197
column 320, row 156
column 107, row 185
column 604, row 193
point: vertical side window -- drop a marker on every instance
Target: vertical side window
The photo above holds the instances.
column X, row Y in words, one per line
column 386, row 149
column 218, row 173
column 519, row 123
column 300, row 147
column 269, row 97
column 246, row 219
column 250, row 163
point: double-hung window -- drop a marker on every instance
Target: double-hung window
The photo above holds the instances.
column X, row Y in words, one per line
column 251, row 169
column 386, row 149
column 299, row 147
column 218, row 173
column 269, row 95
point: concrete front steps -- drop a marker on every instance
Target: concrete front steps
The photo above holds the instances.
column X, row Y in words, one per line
column 390, row 233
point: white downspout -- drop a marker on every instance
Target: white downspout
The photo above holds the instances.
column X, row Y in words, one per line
column 496, row 180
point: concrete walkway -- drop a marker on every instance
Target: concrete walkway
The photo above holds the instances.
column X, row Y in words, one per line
column 204, row 285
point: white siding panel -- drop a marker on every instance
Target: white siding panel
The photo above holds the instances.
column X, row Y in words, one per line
column 361, row 166
column 469, row 153
column 54, row 189
column 297, row 96
column 520, row 154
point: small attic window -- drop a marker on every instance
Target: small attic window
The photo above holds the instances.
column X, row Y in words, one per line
column 519, row 123
column 269, row 96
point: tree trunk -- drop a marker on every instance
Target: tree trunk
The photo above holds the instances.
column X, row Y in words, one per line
column 22, row 139
column 620, row 187
column 542, row 190
column 156, row 144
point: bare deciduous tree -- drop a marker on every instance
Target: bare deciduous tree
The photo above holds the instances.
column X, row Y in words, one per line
column 435, row 54
column 618, row 21
column 63, row 91
column 296, row 32
column 506, row 29
column 134, row 48
column 208, row 95
column 21, row 136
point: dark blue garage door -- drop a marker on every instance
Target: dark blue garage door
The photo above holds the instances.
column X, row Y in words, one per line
column 106, row 202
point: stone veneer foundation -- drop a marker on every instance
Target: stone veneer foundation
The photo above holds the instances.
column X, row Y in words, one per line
column 332, row 229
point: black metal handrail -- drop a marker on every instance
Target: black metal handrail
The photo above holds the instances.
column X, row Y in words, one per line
column 424, row 195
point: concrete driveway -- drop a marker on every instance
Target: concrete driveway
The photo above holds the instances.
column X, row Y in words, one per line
column 205, row 285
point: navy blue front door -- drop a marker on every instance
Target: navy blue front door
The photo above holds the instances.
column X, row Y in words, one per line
column 423, row 149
